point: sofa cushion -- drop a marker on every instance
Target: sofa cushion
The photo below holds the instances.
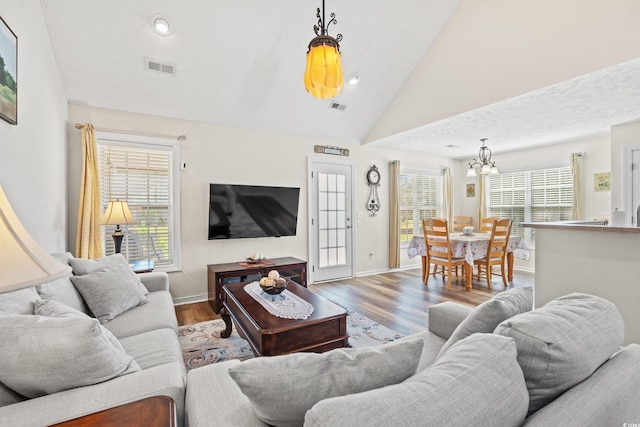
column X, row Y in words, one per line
column 477, row 382
column 157, row 313
column 62, row 290
column 110, row 291
column 282, row 388
column 563, row 343
column 18, row 302
column 485, row 317
column 154, row 348
column 82, row 266
column 68, row 352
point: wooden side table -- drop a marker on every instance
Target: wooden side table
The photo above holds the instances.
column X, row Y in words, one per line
column 154, row 411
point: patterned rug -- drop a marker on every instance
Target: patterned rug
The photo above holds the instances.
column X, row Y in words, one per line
column 202, row 345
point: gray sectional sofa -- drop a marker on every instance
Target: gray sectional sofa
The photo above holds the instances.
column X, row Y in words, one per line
column 498, row 364
column 146, row 333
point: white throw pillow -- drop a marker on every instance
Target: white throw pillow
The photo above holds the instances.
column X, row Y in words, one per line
column 282, row 388
column 56, row 354
column 109, row 292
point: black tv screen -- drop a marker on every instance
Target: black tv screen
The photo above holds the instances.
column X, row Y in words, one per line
column 244, row 211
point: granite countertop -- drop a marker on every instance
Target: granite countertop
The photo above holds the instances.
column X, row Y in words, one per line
column 586, row 225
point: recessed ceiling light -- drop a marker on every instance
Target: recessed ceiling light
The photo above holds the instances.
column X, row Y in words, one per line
column 161, row 25
column 353, row 79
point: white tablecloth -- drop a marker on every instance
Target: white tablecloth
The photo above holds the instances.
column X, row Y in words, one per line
column 469, row 247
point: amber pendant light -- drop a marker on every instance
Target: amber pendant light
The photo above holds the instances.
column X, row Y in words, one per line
column 323, row 77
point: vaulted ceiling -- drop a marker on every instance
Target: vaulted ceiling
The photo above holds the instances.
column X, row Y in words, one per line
column 436, row 75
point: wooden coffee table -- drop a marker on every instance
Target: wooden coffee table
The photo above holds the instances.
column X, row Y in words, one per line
column 269, row 335
column 152, row 411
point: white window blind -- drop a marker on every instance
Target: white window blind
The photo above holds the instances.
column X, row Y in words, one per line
column 533, row 196
column 421, row 197
column 143, row 176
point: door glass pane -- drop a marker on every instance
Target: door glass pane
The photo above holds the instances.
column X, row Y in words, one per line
column 332, row 222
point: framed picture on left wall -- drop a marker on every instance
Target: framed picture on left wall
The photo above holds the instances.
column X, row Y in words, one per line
column 8, row 74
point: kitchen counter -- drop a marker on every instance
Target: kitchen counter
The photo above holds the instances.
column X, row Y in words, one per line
column 595, row 225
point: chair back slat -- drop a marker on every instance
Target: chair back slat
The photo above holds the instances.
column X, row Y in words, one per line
column 460, row 222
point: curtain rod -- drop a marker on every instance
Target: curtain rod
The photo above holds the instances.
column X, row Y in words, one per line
column 178, row 137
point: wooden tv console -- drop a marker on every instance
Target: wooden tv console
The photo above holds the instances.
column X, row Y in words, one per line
column 219, row 275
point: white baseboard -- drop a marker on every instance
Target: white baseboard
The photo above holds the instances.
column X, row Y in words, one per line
column 190, row 300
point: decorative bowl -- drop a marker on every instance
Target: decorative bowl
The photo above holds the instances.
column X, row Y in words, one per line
column 276, row 288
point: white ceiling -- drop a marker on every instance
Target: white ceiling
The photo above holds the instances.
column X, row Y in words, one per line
column 433, row 72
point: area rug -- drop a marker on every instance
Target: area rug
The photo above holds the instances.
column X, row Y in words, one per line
column 202, row 345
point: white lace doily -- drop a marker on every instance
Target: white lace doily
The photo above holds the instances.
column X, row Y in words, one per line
column 286, row 305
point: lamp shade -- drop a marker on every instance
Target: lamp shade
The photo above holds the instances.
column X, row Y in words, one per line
column 23, row 263
column 117, row 213
column 323, row 77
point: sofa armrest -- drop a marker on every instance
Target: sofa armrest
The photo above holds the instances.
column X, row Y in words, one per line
column 155, row 281
column 608, row 397
column 445, row 317
column 163, row 380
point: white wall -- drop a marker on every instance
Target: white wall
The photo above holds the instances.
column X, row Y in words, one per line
column 597, row 159
column 624, row 135
column 33, row 152
column 569, row 262
column 231, row 155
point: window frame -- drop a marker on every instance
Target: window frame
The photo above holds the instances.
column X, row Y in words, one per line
column 528, row 208
column 416, row 208
column 141, row 142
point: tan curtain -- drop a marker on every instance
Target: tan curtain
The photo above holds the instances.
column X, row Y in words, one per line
column 394, row 214
column 482, row 199
column 577, row 210
column 448, row 197
column 89, row 235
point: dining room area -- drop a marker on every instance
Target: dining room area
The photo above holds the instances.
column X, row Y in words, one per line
column 458, row 251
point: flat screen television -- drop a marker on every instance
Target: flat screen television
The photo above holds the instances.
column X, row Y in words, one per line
column 246, row 211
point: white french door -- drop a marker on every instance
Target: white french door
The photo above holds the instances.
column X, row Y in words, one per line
column 330, row 220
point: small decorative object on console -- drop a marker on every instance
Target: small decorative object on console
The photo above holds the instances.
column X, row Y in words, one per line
column 273, row 284
column 256, row 258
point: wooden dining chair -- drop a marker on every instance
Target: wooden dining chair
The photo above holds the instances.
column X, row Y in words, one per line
column 496, row 252
column 438, row 247
column 486, row 224
column 460, row 222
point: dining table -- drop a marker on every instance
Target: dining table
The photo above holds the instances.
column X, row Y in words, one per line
column 471, row 247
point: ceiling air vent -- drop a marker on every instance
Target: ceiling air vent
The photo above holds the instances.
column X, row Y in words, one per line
column 160, row 67
column 335, row 105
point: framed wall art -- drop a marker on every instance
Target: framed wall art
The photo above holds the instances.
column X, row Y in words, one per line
column 8, row 74
column 602, row 181
column 471, row 190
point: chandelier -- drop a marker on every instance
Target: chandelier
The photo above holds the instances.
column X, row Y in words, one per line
column 486, row 165
column 323, row 76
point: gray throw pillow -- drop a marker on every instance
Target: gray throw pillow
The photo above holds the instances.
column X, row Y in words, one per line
column 57, row 354
column 58, row 309
column 109, row 292
column 478, row 382
column 282, row 388
column 83, row 266
column 62, row 290
column 19, row 302
column 485, row 317
column 563, row 343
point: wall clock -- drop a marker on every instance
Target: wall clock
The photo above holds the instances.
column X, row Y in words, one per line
column 373, row 179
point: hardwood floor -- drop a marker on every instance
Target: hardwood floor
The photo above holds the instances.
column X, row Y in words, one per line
column 398, row 300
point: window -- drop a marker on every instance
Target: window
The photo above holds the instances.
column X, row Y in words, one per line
column 539, row 195
column 421, row 197
column 143, row 171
